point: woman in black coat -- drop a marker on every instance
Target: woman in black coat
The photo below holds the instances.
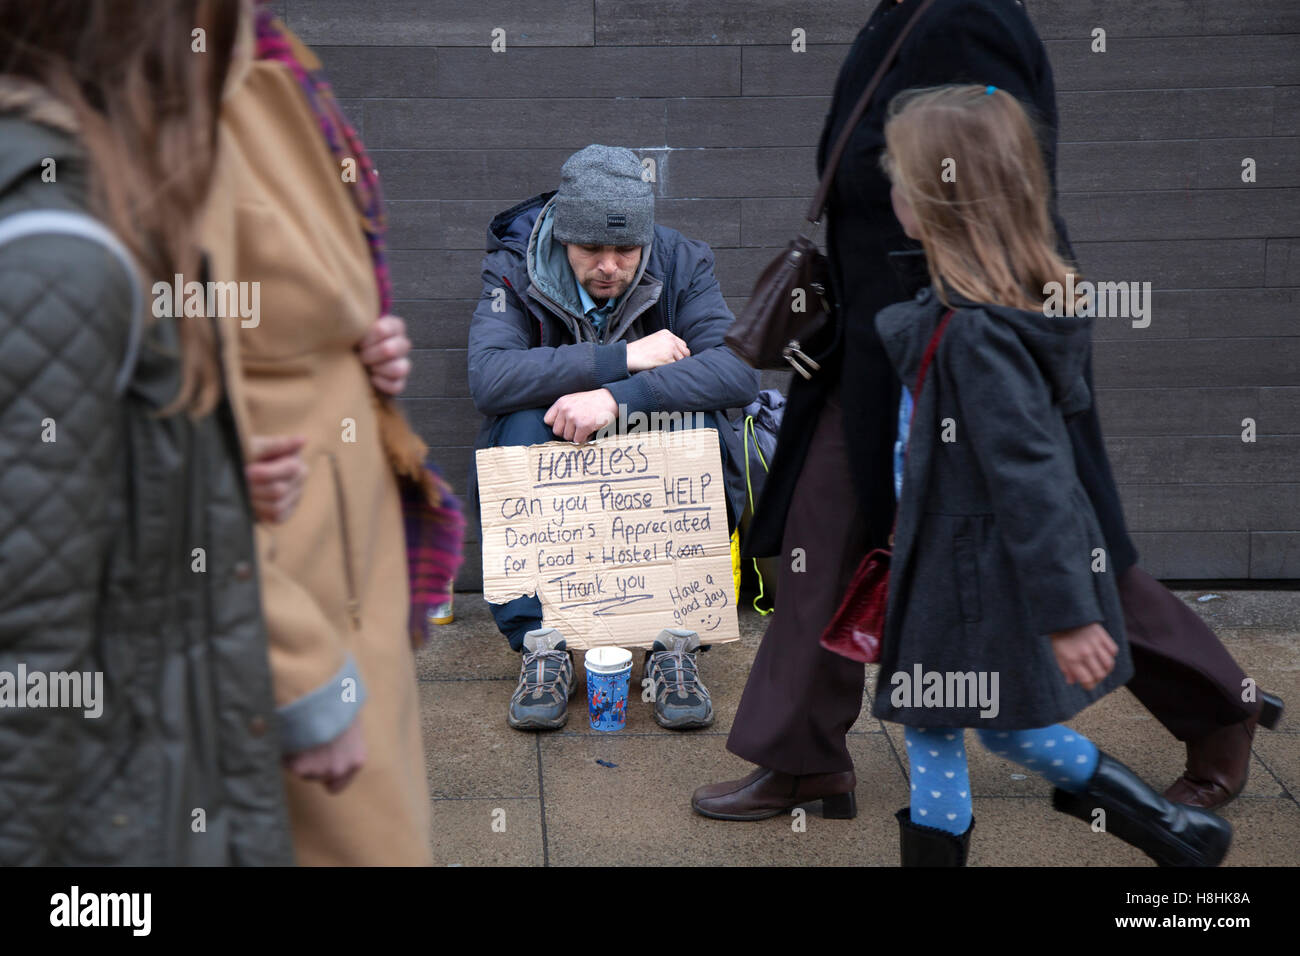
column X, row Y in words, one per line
column 829, row 496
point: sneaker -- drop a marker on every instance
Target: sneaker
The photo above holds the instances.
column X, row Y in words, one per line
column 441, row 613
column 541, row 701
column 682, row 701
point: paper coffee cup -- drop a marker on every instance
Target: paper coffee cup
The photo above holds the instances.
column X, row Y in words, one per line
column 608, row 670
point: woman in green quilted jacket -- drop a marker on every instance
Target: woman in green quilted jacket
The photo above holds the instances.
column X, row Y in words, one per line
column 136, row 717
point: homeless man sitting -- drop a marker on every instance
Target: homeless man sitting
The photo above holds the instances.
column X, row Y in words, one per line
column 590, row 314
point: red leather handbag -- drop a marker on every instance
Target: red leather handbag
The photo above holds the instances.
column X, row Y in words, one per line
column 858, row 626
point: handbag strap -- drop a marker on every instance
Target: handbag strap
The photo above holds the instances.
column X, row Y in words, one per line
column 931, row 347
column 814, row 214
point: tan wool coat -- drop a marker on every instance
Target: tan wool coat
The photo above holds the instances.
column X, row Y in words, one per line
column 334, row 577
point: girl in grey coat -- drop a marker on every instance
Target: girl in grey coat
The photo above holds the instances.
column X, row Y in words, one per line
column 1003, row 613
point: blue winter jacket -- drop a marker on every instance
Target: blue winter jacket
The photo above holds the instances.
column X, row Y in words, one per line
column 530, row 343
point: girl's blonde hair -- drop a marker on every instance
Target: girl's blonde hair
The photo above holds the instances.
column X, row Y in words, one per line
column 968, row 163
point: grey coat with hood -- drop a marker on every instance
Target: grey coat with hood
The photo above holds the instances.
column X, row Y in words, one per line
column 100, row 573
column 530, row 343
column 994, row 549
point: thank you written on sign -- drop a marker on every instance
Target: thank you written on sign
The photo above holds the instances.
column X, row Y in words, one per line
column 618, row 538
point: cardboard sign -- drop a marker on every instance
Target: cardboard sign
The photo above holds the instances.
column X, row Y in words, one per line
column 619, row 538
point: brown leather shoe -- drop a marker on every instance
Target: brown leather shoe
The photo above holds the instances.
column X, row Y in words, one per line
column 766, row 793
column 1218, row 764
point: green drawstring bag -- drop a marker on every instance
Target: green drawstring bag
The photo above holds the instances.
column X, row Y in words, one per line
column 735, row 565
column 735, row 538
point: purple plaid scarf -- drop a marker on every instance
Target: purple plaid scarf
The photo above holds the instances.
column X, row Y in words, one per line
column 432, row 515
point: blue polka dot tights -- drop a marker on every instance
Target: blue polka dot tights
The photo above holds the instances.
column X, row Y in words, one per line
column 941, row 783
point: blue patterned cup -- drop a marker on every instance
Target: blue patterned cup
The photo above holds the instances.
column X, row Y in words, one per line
column 608, row 671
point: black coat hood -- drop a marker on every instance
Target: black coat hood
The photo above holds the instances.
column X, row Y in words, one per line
column 1059, row 345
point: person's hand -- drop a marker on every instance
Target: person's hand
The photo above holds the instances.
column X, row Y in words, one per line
column 574, row 417
column 1085, row 654
column 384, row 350
column 275, row 473
column 334, row 763
column 654, row 350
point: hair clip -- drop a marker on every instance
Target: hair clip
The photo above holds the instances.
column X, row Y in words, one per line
column 990, row 90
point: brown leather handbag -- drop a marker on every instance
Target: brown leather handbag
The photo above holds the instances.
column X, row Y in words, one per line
column 792, row 300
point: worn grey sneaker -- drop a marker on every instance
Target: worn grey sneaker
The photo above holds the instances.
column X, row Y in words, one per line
column 682, row 701
column 541, row 701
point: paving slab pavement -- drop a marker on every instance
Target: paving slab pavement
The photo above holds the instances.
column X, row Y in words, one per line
column 577, row 797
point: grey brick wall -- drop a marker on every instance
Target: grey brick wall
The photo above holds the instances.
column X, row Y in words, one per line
column 1153, row 133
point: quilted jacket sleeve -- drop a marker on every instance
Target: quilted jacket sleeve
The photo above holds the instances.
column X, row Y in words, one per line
column 64, row 322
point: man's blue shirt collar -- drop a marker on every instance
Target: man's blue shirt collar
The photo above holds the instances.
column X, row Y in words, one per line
column 597, row 314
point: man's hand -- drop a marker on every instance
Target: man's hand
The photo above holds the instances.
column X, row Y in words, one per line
column 1085, row 654
column 654, row 350
column 575, row 417
column 275, row 475
column 334, row 763
column 384, row 350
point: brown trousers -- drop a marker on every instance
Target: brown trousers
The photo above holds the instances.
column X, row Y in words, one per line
column 800, row 700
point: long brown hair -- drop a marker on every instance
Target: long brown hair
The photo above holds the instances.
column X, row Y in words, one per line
column 145, row 105
column 968, row 163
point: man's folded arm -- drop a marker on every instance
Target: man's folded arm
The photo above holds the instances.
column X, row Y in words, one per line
column 713, row 378
column 506, row 375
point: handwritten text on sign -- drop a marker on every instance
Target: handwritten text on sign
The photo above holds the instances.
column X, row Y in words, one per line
column 619, row 538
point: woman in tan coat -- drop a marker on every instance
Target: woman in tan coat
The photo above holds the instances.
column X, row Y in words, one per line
column 334, row 574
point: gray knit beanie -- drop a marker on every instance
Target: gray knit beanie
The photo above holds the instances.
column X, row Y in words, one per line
column 603, row 201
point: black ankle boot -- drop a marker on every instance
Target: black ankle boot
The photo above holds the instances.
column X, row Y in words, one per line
column 1169, row 833
column 928, row 846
